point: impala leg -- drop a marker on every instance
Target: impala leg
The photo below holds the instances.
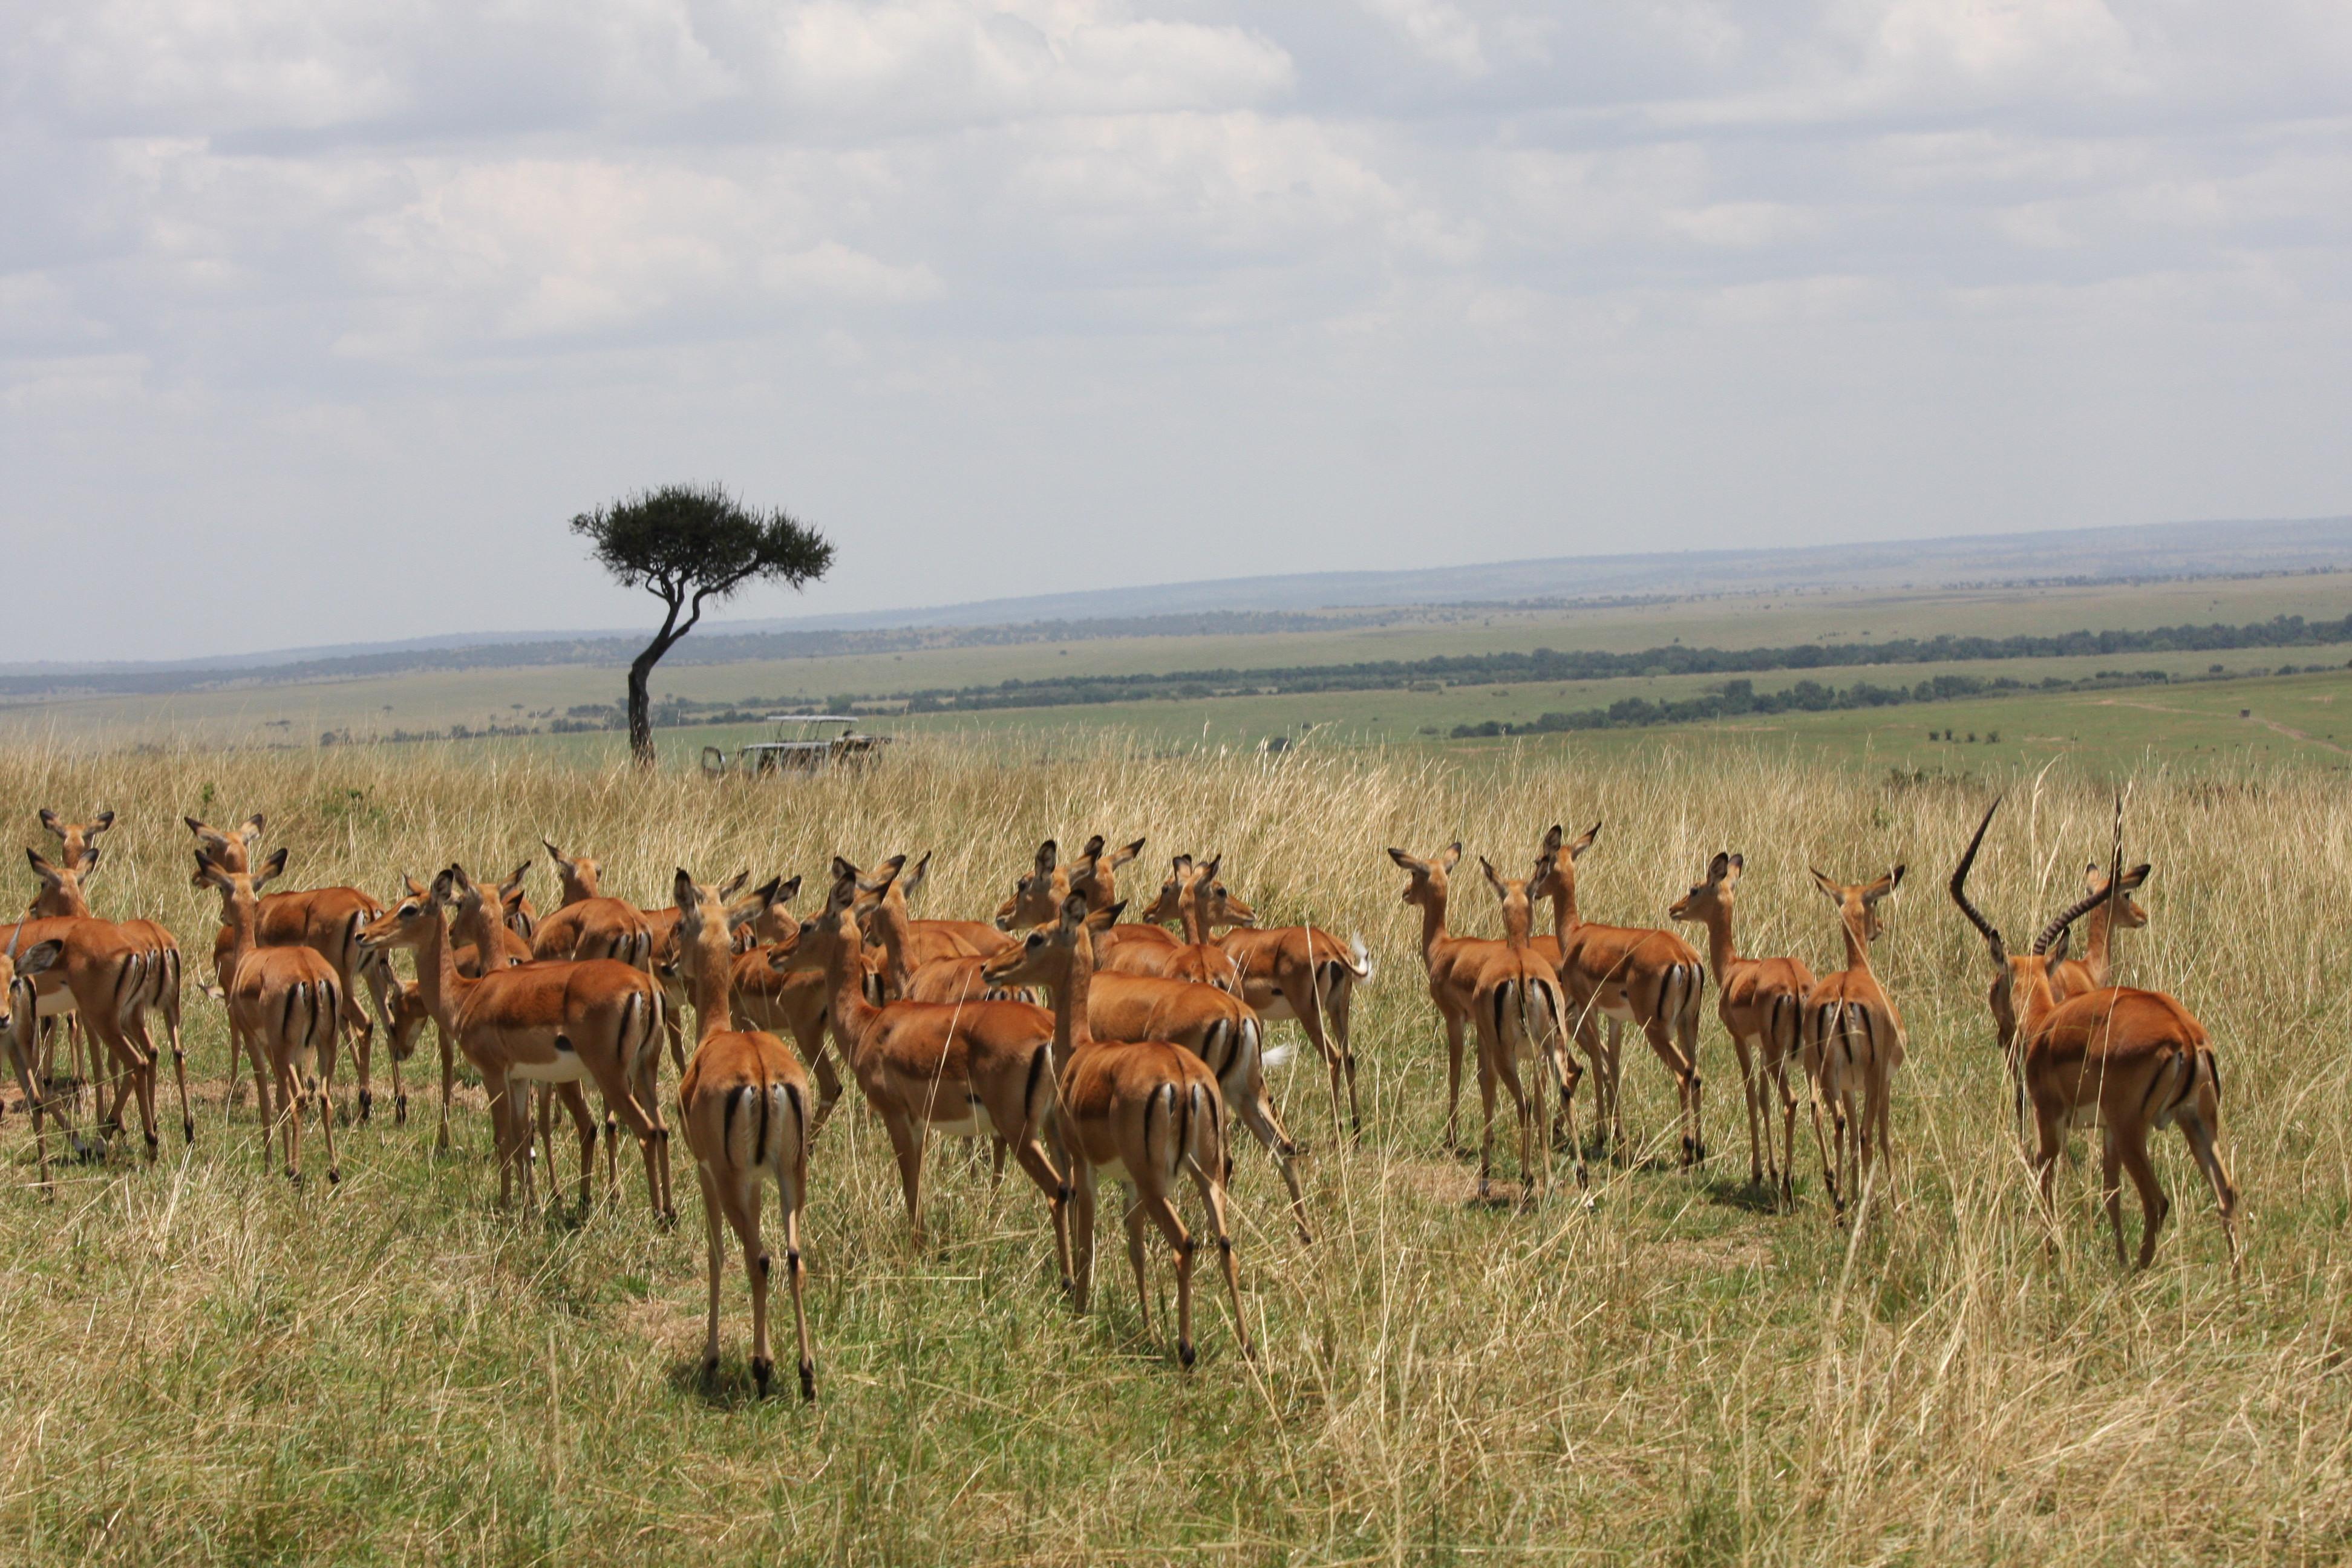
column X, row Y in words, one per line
column 1255, row 1112
column 33, row 1104
column 143, row 1081
column 2153, row 1206
column 744, row 1214
column 323, row 1091
column 542, row 1097
column 1786, row 1177
column 1566, row 1075
column 1135, row 1221
column 1751, row 1093
column 1082, row 1230
column 501, row 1094
column 1336, row 1009
column 291, row 1107
column 907, row 1143
column 2111, row 1192
column 363, row 1050
column 1454, row 1029
column 1506, row 1069
column 788, row 1199
column 1815, row 1095
column 1685, row 1077
column 1212, row 1199
column 718, row 1267
column 171, row 1012
column 2197, row 1124
column 819, row 1058
column 448, row 1082
column 1179, row 1242
column 1486, row 1053
column 1033, row 1159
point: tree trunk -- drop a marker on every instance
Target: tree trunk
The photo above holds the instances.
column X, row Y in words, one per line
column 641, row 718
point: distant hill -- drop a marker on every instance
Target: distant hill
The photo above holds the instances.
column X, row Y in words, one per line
column 1232, row 606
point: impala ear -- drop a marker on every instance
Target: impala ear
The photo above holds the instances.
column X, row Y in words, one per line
column 50, row 820
column 683, row 893
column 1074, row 912
column 271, row 868
column 1094, row 847
column 2056, row 950
column 1122, row 855
column 460, row 883
column 250, row 830
column 443, row 886
column 1884, row 886
column 1830, row 889
column 733, row 886
column 42, row 867
column 208, row 874
column 415, row 889
column 1718, row 868
column 1493, row 879
column 1583, row 842
column 1418, row 868
column 101, row 822
column 785, row 891
column 1107, row 917
column 1049, row 855
column 1446, row 861
column 39, row 956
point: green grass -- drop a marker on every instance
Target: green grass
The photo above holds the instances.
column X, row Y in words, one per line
column 199, row 1363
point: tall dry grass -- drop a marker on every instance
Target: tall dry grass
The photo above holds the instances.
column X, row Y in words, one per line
column 197, row 1363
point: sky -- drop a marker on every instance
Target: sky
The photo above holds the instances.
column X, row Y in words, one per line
column 318, row 319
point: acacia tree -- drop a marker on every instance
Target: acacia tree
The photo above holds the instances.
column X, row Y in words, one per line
column 688, row 545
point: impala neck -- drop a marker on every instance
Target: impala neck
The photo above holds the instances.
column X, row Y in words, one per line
column 844, row 974
column 1188, row 916
column 2095, row 946
column 1518, row 921
column 890, row 931
column 1433, row 934
column 714, row 983
column 1719, row 950
column 1857, row 951
column 1564, row 918
column 1071, row 1032
column 62, row 900
column 437, row 980
column 482, row 930
column 242, row 914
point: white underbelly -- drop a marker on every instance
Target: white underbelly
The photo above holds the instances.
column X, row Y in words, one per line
column 567, row 1067
column 54, row 1004
column 1114, row 1170
column 974, row 1123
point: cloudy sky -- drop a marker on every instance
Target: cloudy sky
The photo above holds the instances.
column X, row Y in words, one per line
column 317, row 318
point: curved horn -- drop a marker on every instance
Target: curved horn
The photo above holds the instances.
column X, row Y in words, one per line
column 2085, row 905
column 1960, row 889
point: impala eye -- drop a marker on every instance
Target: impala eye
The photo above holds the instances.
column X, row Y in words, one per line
column 1036, row 939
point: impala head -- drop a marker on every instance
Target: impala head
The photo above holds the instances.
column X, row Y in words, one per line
column 578, row 877
column 412, row 916
column 233, row 848
column 1215, row 902
column 2122, row 911
column 1044, row 954
column 770, row 921
column 708, row 920
column 17, row 1007
column 823, row 935
column 238, row 890
column 2021, row 990
column 1038, row 893
column 514, row 904
column 1429, row 887
column 409, row 1014
column 61, row 894
column 1555, row 875
column 76, row 840
column 1858, row 902
column 1711, row 896
column 1513, row 892
column 1169, row 903
column 1096, row 876
column 880, row 900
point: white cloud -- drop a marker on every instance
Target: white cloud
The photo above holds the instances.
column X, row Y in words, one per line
column 1050, row 263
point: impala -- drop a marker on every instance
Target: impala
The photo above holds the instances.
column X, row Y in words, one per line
column 975, row 1069
column 1214, row 1025
column 744, row 1104
column 1519, row 1010
column 1037, row 896
column 1619, row 976
column 157, row 986
column 2095, row 971
column 327, row 921
column 1196, row 958
column 1146, row 1114
column 555, row 1022
column 2130, row 1060
column 1096, row 876
column 588, row 925
column 1853, row 1042
column 285, row 1006
column 885, row 896
column 1761, row 1002
column 20, row 1011
column 1452, row 962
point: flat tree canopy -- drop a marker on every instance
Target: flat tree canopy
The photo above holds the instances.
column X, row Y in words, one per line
column 686, row 545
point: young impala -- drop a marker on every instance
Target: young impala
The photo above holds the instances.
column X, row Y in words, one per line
column 1520, row 1013
column 744, row 1103
column 1761, row 1002
column 2129, row 1060
column 1853, row 1043
column 20, row 1012
column 1619, row 976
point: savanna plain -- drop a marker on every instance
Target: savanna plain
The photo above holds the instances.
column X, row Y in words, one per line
column 201, row 1362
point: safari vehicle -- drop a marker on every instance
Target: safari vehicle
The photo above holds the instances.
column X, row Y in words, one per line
column 802, row 745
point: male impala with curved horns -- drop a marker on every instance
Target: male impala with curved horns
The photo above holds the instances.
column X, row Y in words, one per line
column 1624, row 975
column 2129, row 1060
column 1854, row 1042
column 1761, row 1002
column 744, row 1103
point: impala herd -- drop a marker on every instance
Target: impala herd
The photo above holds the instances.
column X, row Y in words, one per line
column 1080, row 1044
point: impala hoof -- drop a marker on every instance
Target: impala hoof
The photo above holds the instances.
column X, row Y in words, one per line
column 367, row 1105
column 188, row 1131
column 710, row 1369
column 334, row 1175
column 762, row 1370
column 400, row 1111
column 1185, row 1355
column 808, row 1382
